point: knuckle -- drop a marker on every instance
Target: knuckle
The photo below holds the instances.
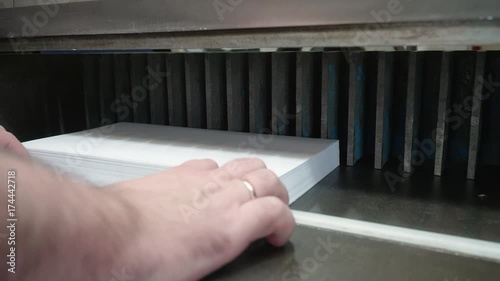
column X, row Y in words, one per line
column 270, row 177
column 211, row 162
column 258, row 162
column 233, row 168
column 274, row 207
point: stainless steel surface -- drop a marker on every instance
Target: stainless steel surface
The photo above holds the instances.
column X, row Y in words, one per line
column 447, row 204
column 398, row 34
column 147, row 16
column 314, row 254
column 475, row 128
column 443, row 106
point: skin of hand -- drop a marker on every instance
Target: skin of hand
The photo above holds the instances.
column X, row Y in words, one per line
column 180, row 224
column 9, row 142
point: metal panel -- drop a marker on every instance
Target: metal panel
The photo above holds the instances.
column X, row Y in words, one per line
column 490, row 112
column 139, row 88
column 176, row 93
column 283, row 104
column 157, row 86
column 237, row 92
column 383, row 111
column 396, row 34
column 196, row 100
column 91, row 90
column 355, row 123
column 147, row 16
column 317, row 254
column 443, row 105
column 307, row 96
column 413, row 107
column 106, row 89
column 259, row 92
column 216, row 91
column 330, row 95
column 124, row 105
column 475, row 126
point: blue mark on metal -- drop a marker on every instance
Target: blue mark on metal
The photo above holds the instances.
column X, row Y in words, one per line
column 359, row 113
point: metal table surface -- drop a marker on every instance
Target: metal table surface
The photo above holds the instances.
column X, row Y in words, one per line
column 321, row 255
column 448, row 204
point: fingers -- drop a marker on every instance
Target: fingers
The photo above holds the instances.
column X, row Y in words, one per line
column 240, row 167
column 234, row 169
column 265, row 217
column 201, row 164
column 9, row 142
column 264, row 182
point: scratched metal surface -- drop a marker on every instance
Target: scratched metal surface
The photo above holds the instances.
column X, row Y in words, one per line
column 146, row 16
column 447, row 204
column 321, row 255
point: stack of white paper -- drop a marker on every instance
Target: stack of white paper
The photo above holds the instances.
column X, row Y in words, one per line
column 127, row 150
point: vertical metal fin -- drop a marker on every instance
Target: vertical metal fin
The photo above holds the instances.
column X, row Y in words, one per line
column 475, row 126
column 157, row 86
column 259, row 92
column 139, row 91
column 123, row 95
column 282, row 95
column 237, row 92
column 383, row 109
column 216, row 91
column 91, row 90
column 305, row 95
column 355, row 122
column 176, row 90
column 196, row 101
column 106, row 90
column 443, row 105
column 330, row 66
column 413, row 108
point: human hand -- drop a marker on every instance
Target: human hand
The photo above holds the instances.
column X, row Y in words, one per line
column 10, row 143
column 194, row 218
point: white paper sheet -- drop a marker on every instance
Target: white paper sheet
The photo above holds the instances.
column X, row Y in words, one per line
column 128, row 150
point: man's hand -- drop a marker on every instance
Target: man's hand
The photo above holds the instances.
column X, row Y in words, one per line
column 197, row 217
column 10, row 143
column 180, row 224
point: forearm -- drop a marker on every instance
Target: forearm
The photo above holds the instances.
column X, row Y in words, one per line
column 65, row 230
